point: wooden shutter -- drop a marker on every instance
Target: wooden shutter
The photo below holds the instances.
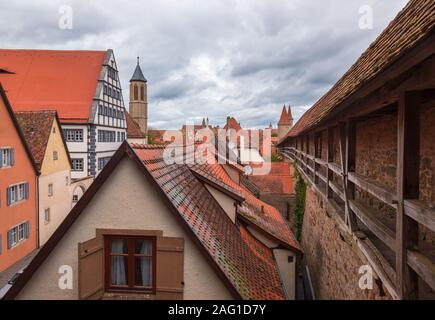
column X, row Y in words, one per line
column 91, row 269
column 170, row 268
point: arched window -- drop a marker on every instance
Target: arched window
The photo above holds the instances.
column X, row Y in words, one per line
column 135, row 92
column 142, row 93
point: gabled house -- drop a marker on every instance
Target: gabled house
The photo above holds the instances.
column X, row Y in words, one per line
column 18, row 190
column 146, row 229
column 85, row 90
column 43, row 134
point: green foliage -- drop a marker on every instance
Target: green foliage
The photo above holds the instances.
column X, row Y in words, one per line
column 276, row 157
column 301, row 190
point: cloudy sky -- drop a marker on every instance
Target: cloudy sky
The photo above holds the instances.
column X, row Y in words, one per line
column 210, row 58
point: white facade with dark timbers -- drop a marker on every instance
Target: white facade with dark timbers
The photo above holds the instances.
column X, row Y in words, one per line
column 92, row 144
column 83, row 87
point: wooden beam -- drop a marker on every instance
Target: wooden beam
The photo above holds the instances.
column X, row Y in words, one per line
column 373, row 188
column 345, row 140
column 368, row 216
column 329, row 159
column 408, row 165
column 423, row 266
column 417, row 210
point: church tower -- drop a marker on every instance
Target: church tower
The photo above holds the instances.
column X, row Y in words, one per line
column 285, row 122
column 139, row 98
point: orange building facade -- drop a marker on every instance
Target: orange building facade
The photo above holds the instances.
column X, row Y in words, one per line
column 18, row 191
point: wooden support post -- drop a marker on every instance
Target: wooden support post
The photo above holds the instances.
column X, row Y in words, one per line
column 345, row 141
column 408, row 166
column 307, row 152
column 317, row 145
column 329, row 159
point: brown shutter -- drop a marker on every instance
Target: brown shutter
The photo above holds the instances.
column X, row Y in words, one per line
column 170, row 268
column 91, row 269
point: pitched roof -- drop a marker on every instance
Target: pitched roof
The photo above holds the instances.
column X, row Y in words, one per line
column 414, row 23
column 137, row 74
column 245, row 265
column 232, row 124
column 284, row 119
column 64, row 81
column 20, row 133
column 36, row 126
column 133, row 130
column 289, row 112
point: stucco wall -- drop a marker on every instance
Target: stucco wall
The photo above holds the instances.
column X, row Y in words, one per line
column 26, row 210
column 125, row 201
column 59, row 204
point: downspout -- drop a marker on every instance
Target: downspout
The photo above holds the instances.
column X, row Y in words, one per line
column 37, row 212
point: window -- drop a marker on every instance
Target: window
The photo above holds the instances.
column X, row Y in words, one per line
column 17, row 193
column 102, row 162
column 18, row 234
column 77, row 164
column 47, row 215
column 67, row 181
column 6, row 157
column 142, row 93
column 73, row 135
column 122, row 136
column 106, row 136
column 54, row 129
column 130, row 263
column 75, row 198
column 55, row 155
column 135, row 92
column 50, row 190
column 119, row 136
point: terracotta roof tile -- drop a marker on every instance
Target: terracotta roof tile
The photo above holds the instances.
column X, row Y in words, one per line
column 263, row 215
column 64, row 81
column 413, row 23
column 36, row 127
column 254, row 275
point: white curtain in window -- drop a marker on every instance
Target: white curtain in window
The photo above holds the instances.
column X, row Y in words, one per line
column 146, row 263
column 119, row 276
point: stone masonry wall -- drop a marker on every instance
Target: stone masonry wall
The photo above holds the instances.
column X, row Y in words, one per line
column 333, row 263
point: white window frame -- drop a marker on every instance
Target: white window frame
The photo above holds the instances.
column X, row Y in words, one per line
column 74, row 167
column 6, row 157
column 47, row 215
column 50, row 190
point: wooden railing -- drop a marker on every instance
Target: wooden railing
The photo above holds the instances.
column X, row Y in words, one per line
column 351, row 210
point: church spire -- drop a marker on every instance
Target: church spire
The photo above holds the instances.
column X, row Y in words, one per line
column 137, row 74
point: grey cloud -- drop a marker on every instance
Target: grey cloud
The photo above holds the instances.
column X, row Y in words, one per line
column 211, row 58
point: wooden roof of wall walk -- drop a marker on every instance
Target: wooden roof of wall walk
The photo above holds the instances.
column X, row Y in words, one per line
column 231, row 252
column 64, row 80
column 388, row 64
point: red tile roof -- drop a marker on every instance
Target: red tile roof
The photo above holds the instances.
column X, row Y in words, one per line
column 133, row 130
column 414, row 23
column 232, row 124
column 284, row 119
column 36, row 126
column 259, row 213
column 252, row 273
column 64, row 81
